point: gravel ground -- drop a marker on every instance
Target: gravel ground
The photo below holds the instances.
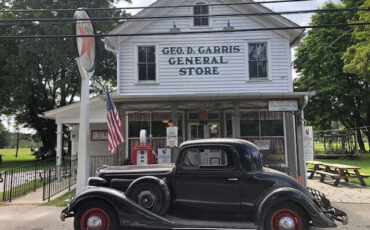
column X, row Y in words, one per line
column 47, row 218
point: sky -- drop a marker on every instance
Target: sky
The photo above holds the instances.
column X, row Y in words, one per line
column 301, row 19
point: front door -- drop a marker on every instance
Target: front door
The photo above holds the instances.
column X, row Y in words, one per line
column 206, row 183
column 201, row 131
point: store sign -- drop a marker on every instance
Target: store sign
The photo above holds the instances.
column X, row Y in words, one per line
column 308, row 143
column 164, row 156
column 73, row 136
column 202, row 60
column 281, row 106
column 262, row 144
column 172, row 136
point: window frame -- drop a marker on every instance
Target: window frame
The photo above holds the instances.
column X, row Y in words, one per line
column 192, row 12
column 146, row 82
column 268, row 56
column 228, row 150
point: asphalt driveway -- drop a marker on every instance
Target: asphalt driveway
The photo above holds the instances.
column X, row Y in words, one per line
column 47, row 218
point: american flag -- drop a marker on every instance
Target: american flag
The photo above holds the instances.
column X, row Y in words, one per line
column 115, row 135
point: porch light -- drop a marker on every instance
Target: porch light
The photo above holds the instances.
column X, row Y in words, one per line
column 175, row 29
column 165, row 121
column 170, row 124
column 228, row 27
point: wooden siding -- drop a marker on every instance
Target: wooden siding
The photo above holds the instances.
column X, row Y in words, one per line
column 233, row 77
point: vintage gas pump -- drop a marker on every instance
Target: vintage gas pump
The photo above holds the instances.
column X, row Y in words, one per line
column 143, row 154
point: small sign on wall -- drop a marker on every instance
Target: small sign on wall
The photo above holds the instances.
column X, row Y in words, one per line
column 101, row 135
column 164, row 156
column 308, row 144
column 172, row 136
column 281, row 106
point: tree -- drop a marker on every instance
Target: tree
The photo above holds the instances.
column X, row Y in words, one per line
column 38, row 75
column 357, row 60
column 340, row 96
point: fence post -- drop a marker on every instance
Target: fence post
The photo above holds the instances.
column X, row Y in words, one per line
column 49, row 184
column 11, row 186
column 43, row 186
column 34, row 186
column 4, row 192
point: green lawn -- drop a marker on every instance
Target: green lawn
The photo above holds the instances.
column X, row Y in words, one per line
column 363, row 163
column 319, row 147
column 61, row 201
column 10, row 161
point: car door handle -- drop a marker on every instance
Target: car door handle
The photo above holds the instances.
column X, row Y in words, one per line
column 233, row 179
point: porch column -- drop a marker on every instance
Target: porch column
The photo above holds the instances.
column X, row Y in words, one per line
column 74, row 138
column 59, row 148
column 236, row 120
column 291, row 144
column 300, row 156
column 174, row 151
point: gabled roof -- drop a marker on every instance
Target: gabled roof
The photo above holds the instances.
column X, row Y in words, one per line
column 267, row 21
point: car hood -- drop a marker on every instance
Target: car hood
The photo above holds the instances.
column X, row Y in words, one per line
column 157, row 169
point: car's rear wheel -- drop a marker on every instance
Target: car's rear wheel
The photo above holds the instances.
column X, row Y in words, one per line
column 287, row 216
column 96, row 215
column 149, row 196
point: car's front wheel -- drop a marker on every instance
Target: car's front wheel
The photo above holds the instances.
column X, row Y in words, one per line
column 287, row 216
column 96, row 215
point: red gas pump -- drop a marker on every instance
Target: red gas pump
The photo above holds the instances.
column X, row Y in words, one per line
column 143, row 155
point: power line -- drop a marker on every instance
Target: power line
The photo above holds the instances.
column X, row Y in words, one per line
column 41, row 20
column 182, row 33
column 151, row 7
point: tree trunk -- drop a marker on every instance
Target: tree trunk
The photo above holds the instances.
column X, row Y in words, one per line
column 360, row 141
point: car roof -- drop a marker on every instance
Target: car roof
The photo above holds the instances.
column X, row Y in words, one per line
column 229, row 141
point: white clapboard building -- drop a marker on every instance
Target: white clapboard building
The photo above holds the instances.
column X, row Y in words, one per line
column 209, row 85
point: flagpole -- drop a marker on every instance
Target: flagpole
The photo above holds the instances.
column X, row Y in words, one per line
column 84, row 129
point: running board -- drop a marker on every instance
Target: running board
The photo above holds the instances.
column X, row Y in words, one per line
column 192, row 224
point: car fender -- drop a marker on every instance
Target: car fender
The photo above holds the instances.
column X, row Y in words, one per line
column 160, row 182
column 283, row 194
column 117, row 199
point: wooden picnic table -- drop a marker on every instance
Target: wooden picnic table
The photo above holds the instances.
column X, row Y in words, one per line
column 336, row 171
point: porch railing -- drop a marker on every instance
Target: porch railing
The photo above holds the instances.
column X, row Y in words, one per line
column 98, row 161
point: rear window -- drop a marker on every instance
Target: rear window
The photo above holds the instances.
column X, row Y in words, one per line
column 206, row 158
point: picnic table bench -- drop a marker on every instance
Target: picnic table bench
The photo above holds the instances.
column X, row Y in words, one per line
column 336, row 171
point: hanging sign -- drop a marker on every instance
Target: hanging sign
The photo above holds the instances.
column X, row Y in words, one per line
column 172, row 136
column 86, row 46
column 281, row 106
column 164, row 156
column 308, row 145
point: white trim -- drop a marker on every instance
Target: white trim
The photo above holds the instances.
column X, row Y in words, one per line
column 119, row 70
column 137, row 82
column 268, row 54
column 285, row 141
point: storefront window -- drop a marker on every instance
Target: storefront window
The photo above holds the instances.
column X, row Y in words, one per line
column 146, row 63
column 266, row 130
column 257, row 60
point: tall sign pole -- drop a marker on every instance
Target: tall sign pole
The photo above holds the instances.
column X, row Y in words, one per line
column 86, row 64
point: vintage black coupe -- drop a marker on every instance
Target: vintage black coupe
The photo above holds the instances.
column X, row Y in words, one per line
column 216, row 183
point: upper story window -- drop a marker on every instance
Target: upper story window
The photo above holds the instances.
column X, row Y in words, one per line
column 146, row 63
column 258, row 62
column 202, row 10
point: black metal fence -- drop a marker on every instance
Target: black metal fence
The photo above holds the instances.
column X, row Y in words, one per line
column 98, row 161
column 59, row 178
column 19, row 181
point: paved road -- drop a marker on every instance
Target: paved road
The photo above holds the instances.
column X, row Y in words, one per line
column 47, row 218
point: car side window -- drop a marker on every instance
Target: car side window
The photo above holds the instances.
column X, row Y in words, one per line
column 207, row 158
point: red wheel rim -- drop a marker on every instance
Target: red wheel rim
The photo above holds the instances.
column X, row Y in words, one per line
column 98, row 213
column 282, row 214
